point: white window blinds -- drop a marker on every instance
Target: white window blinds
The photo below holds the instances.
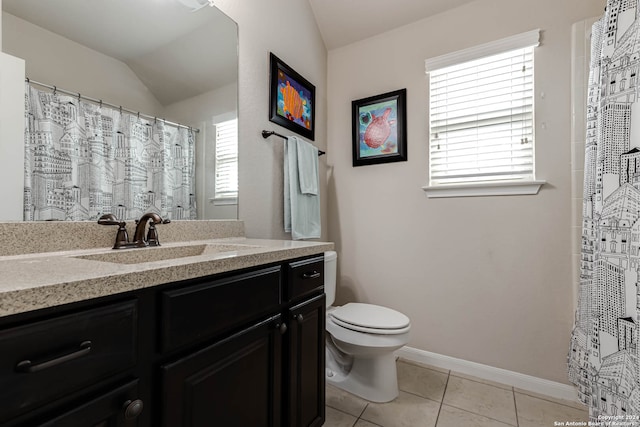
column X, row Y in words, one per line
column 481, row 116
column 226, row 164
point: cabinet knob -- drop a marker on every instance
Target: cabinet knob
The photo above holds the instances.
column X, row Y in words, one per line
column 132, row 409
column 282, row 327
column 299, row 318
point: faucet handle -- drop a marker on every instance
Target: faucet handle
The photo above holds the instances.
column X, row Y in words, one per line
column 108, row 219
column 152, row 234
column 122, row 238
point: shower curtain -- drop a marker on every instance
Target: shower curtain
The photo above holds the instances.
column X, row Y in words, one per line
column 83, row 160
column 604, row 352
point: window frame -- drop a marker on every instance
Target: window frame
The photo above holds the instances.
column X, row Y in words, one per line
column 217, row 199
column 484, row 188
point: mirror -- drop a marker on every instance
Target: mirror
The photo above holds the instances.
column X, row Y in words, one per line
column 174, row 60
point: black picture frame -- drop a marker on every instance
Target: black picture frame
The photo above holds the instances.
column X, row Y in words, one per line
column 292, row 99
column 379, row 127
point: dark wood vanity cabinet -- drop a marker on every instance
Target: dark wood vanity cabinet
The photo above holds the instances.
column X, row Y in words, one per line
column 235, row 380
column 240, row 349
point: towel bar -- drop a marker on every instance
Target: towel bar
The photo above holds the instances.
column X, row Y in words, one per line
column 267, row 133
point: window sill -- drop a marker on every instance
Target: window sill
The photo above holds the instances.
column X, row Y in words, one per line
column 507, row 188
column 224, row 202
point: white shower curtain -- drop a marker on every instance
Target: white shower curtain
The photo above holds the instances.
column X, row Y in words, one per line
column 604, row 352
column 83, row 160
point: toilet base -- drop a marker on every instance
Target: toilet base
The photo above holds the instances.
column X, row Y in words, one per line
column 374, row 379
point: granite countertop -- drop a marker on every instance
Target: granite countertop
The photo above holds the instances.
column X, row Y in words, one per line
column 40, row 280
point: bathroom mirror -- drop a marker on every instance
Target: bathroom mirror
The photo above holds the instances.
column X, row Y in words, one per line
column 170, row 60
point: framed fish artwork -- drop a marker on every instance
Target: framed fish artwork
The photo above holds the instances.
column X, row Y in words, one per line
column 292, row 99
column 379, row 125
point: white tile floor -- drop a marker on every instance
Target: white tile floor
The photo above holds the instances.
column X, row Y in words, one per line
column 431, row 397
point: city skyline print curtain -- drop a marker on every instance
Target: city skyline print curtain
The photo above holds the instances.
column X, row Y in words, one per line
column 83, row 160
column 604, row 351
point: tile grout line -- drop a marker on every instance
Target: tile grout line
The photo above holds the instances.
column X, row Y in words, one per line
column 481, row 415
column 346, row 413
column 548, row 399
column 363, row 409
column 522, row 391
column 359, row 417
column 484, row 382
column 421, row 396
column 510, row 388
column 442, row 400
column 515, row 405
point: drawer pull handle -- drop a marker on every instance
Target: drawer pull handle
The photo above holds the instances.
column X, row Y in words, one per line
column 26, row 366
column 311, row 275
column 299, row 318
column 132, row 409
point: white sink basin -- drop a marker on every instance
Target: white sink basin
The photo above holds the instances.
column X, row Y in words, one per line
column 150, row 254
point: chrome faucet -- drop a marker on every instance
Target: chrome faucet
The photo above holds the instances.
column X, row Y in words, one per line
column 139, row 240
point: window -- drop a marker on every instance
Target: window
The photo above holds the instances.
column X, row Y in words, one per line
column 226, row 161
column 481, row 118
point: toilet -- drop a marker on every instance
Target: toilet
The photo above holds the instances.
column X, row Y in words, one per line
column 360, row 342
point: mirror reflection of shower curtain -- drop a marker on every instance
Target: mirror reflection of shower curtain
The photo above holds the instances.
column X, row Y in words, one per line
column 83, row 160
column 604, row 352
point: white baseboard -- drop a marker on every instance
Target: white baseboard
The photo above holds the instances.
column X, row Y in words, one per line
column 503, row 376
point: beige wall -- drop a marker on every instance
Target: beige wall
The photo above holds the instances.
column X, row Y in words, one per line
column 288, row 29
column 486, row 279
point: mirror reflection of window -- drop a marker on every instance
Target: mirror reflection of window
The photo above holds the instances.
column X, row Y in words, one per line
column 226, row 162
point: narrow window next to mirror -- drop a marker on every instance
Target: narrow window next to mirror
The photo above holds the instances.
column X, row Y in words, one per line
column 226, row 162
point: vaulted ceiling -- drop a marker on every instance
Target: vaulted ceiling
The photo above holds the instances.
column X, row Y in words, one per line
column 159, row 40
column 157, row 46
column 342, row 22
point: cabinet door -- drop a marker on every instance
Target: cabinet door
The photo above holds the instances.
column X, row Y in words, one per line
column 232, row 383
column 306, row 363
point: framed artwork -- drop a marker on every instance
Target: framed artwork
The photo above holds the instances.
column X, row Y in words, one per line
column 379, row 125
column 292, row 99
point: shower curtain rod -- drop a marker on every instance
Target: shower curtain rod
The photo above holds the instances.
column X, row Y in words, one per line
column 101, row 102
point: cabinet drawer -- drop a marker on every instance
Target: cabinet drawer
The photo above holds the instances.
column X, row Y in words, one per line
column 119, row 407
column 196, row 312
column 44, row 360
column 304, row 277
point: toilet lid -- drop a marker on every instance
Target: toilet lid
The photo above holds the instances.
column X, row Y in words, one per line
column 370, row 318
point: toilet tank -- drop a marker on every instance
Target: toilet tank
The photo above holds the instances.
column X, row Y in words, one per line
column 330, row 268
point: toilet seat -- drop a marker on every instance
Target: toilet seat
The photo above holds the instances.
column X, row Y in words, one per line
column 372, row 319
